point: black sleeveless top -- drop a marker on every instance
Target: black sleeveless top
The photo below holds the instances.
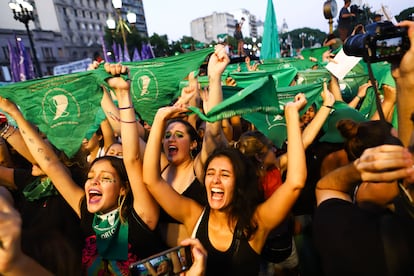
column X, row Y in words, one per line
column 195, row 191
column 239, row 259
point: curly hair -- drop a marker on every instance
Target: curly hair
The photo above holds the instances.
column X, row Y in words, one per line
column 246, row 194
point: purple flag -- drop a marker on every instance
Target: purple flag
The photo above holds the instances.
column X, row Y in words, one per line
column 126, row 54
column 136, row 56
column 120, row 55
column 115, row 50
column 25, row 62
column 14, row 62
column 146, row 51
column 104, row 50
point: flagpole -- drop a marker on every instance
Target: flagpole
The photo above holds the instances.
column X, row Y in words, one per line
column 36, row 61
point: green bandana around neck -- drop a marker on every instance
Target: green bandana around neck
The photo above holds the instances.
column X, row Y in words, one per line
column 111, row 236
column 39, row 188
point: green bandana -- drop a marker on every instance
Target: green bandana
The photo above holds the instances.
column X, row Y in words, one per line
column 111, row 236
column 39, row 189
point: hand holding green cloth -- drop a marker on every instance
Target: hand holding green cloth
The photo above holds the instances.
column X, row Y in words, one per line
column 260, row 96
column 62, row 107
column 274, row 125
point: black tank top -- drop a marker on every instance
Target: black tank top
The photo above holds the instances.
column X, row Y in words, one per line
column 239, row 259
column 196, row 191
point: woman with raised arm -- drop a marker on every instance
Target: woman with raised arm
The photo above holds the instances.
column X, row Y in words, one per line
column 181, row 146
column 117, row 220
column 234, row 225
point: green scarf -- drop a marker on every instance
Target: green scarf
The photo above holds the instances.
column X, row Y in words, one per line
column 39, row 189
column 111, row 236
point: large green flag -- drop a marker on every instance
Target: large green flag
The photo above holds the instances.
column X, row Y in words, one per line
column 274, row 125
column 270, row 42
column 260, row 96
column 63, row 107
column 155, row 82
column 282, row 76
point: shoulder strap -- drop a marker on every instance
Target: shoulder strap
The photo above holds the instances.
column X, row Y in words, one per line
column 193, row 235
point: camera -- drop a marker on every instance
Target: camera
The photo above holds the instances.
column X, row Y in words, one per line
column 167, row 263
column 382, row 41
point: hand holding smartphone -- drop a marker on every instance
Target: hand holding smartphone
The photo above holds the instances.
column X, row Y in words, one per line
column 169, row 262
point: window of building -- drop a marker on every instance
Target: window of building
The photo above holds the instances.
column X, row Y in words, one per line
column 83, row 14
column 97, row 27
column 65, row 12
column 91, row 15
column 60, row 52
column 91, row 26
column 6, row 52
column 83, row 26
column 47, row 52
column 98, row 16
column 75, row 12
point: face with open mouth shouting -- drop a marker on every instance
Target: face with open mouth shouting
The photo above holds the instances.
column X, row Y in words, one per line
column 220, row 182
column 177, row 143
column 103, row 188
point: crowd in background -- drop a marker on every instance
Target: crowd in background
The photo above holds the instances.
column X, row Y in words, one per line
column 245, row 206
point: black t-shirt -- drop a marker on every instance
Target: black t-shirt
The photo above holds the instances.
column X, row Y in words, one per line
column 349, row 240
column 45, row 220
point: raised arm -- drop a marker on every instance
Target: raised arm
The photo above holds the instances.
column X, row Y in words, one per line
column 384, row 163
column 112, row 114
column 179, row 207
column 404, row 78
column 144, row 204
column 277, row 207
column 45, row 157
column 312, row 129
column 12, row 136
column 214, row 136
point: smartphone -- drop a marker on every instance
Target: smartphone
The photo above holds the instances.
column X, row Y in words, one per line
column 169, row 262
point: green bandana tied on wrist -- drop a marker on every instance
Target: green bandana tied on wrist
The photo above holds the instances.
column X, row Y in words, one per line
column 111, row 236
column 39, row 188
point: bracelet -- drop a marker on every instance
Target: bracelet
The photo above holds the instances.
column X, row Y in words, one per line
column 128, row 122
column 5, row 137
column 328, row 106
column 4, row 130
column 127, row 107
column 358, row 97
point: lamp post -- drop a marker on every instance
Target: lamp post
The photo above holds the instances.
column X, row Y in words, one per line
column 23, row 12
column 122, row 25
column 311, row 38
column 302, row 36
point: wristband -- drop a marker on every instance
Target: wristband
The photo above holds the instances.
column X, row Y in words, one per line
column 358, row 97
column 328, row 106
column 127, row 107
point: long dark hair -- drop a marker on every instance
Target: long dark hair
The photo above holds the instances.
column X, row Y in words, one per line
column 246, row 194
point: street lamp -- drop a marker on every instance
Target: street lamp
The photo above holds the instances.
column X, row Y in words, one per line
column 23, row 12
column 122, row 25
column 311, row 38
column 302, row 36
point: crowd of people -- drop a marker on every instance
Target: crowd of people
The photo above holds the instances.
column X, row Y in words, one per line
column 245, row 206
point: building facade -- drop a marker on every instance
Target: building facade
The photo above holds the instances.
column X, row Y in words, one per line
column 206, row 29
column 64, row 30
